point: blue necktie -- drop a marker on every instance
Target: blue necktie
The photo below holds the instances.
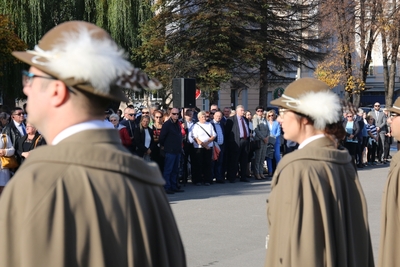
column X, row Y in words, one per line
column 23, row 128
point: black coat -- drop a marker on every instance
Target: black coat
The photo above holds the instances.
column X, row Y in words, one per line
column 140, row 137
column 19, row 147
column 171, row 137
column 11, row 130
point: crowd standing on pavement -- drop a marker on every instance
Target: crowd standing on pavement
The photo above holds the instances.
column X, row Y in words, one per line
column 317, row 212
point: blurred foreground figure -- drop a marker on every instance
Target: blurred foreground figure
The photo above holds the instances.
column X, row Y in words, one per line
column 390, row 220
column 83, row 200
column 317, row 211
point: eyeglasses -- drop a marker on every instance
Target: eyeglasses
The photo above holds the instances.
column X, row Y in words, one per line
column 212, row 113
column 145, row 112
column 270, row 115
column 19, row 114
column 175, row 113
column 158, row 117
column 131, row 114
column 27, row 78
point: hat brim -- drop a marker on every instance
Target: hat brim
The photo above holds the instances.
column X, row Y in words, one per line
column 394, row 109
column 115, row 93
column 280, row 103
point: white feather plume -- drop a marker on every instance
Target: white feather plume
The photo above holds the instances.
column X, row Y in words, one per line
column 81, row 56
column 323, row 107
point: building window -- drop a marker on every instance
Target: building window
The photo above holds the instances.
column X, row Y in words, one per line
column 371, row 70
column 138, row 95
column 155, row 97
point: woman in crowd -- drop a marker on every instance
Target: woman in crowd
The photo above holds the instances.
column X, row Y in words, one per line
column 144, row 138
column 202, row 137
column 28, row 142
column 352, row 129
column 372, row 141
column 6, row 149
column 261, row 134
column 123, row 132
column 274, row 138
column 317, row 212
column 4, row 120
column 157, row 125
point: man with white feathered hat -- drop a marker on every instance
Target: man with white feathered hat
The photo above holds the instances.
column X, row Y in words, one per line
column 317, row 212
column 84, row 200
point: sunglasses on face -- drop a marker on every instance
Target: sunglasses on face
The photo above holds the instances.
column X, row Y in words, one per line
column 145, row 112
column 19, row 114
column 131, row 114
column 175, row 113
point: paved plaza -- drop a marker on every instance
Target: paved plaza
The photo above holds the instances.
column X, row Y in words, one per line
column 224, row 225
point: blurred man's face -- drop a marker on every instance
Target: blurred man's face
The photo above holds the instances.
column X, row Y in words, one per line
column 227, row 112
column 217, row 116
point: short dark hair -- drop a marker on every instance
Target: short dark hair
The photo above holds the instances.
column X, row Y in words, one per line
column 15, row 109
column 259, row 107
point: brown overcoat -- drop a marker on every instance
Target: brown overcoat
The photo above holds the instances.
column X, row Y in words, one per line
column 87, row 202
column 317, row 212
column 390, row 217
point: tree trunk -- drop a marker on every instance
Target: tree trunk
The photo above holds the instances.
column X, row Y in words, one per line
column 263, row 99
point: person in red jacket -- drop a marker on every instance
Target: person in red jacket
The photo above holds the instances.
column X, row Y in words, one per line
column 123, row 132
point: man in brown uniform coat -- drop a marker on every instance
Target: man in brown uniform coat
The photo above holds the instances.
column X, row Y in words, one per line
column 83, row 200
column 390, row 218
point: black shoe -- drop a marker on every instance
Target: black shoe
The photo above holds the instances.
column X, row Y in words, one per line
column 360, row 166
column 169, row 192
column 244, row 180
column 178, row 190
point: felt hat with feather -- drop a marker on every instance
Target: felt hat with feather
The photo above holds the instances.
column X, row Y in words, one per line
column 313, row 98
column 85, row 57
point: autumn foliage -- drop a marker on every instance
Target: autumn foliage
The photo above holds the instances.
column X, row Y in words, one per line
column 9, row 42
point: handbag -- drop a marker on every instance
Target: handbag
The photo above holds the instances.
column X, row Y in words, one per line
column 8, row 162
column 255, row 144
column 216, row 151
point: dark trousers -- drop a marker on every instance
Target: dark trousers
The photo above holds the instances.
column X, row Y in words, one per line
column 216, row 170
column 371, row 152
column 238, row 154
column 201, row 165
column 386, row 147
column 188, row 150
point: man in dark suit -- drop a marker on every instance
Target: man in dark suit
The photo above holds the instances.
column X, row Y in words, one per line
column 380, row 123
column 237, row 136
column 15, row 129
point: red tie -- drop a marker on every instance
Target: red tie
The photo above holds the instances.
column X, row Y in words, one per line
column 244, row 129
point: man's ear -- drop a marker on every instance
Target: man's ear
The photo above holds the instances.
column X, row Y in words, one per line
column 59, row 94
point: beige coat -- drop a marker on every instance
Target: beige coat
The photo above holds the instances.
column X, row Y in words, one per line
column 317, row 212
column 87, row 202
column 390, row 218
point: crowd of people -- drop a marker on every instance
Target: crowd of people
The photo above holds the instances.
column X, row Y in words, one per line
column 181, row 142
column 85, row 200
column 19, row 137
